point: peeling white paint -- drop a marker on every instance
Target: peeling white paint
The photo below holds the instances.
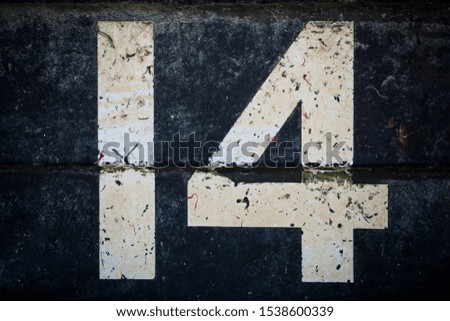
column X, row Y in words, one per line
column 329, row 106
column 127, row 224
column 317, row 70
column 125, row 89
column 126, row 106
column 327, row 213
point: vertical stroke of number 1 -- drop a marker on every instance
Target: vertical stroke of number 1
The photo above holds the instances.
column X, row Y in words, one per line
column 317, row 70
column 125, row 106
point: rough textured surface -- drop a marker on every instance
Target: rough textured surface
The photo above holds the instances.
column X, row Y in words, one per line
column 127, row 224
column 327, row 212
column 125, row 92
column 125, row 59
column 210, row 60
column 49, row 242
column 314, row 74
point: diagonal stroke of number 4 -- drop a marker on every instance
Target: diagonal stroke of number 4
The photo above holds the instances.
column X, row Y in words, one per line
column 317, row 70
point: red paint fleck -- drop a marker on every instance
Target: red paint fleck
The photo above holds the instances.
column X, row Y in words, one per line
column 391, row 122
column 196, row 199
column 99, row 157
column 303, row 64
column 274, row 139
column 402, row 139
column 402, row 134
column 304, row 78
column 306, row 115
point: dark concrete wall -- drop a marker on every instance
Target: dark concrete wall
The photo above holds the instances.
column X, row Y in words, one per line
column 209, row 62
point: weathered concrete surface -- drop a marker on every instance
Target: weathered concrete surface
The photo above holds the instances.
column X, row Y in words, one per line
column 210, row 60
column 49, row 244
column 315, row 74
column 125, row 59
column 127, row 224
column 326, row 212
